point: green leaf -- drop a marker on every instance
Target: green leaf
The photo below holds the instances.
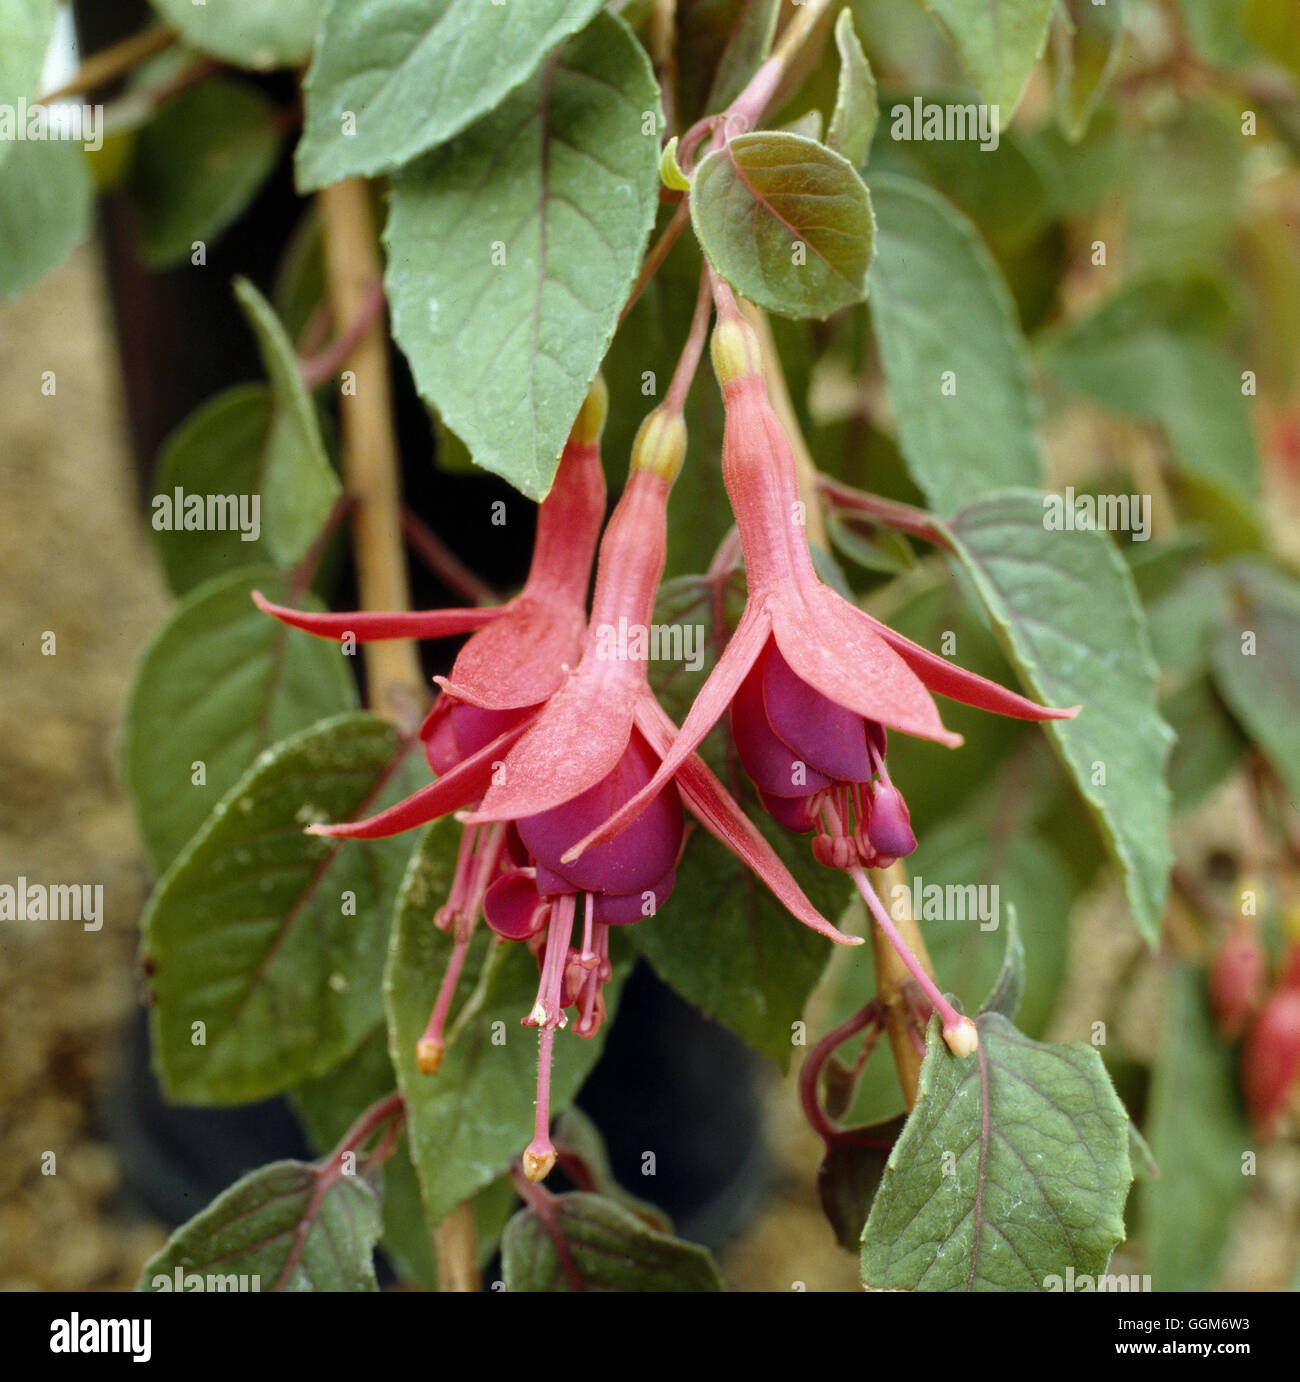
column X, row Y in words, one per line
column 1006, row 993
column 561, row 182
column 719, row 46
column 786, row 221
column 1145, row 353
column 413, row 73
column 999, row 42
column 730, row 948
column 474, row 1117
column 328, row 1106
column 219, row 684
column 248, row 33
column 1198, row 1134
column 853, row 121
column 942, row 313
column 1013, row 1167
column 28, row 28
column 1087, row 40
column 283, row 1225
column 299, row 487
column 1043, row 590
column 197, row 164
column 850, row 1174
column 47, row 204
column 1172, row 222
column 607, row 1249
column 222, row 448
column 1209, row 745
column 270, row 938
column 1256, row 660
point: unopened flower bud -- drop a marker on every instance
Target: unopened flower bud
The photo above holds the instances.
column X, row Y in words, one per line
column 1270, row 1061
column 1237, row 980
column 735, row 349
column 890, row 828
column 539, row 1158
column 590, row 422
column 428, row 1055
column 660, row 444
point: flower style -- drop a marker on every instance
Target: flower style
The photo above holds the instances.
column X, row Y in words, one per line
column 812, row 682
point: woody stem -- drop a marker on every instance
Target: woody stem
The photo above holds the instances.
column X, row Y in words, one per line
column 372, row 474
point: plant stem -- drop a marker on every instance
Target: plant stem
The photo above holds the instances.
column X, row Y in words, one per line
column 659, row 251
column 370, row 462
column 114, row 61
column 891, row 976
column 444, row 563
column 903, row 517
column 372, row 474
column 689, row 360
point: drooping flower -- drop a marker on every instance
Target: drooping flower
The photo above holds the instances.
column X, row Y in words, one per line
column 812, row 681
column 544, row 774
column 521, row 651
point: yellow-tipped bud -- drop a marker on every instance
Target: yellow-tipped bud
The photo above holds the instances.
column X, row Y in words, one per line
column 428, row 1056
column 590, row 422
column 735, row 349
column 660, row 444
column 538, row 1163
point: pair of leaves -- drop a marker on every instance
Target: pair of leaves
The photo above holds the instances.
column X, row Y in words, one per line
column 263, row 445
column 513, row 248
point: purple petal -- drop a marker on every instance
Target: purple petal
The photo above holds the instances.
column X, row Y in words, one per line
column 826, row 736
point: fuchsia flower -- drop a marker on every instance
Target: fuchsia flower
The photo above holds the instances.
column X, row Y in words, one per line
column 548, row 770
column 812, row 682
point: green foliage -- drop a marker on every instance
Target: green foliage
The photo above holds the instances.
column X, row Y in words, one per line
column 1013, row 1167
column 248, row 33
column 1198, row 1136
column 999, row 43
column 411, row 74
column 286, row 1225
column 1043, row 590
column 46, row 210
column 265, row 945
column 951, row 351
column 219, row 684
column 607, row 1249
column 786, row 221
column 197, row 164
column 513, row 248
